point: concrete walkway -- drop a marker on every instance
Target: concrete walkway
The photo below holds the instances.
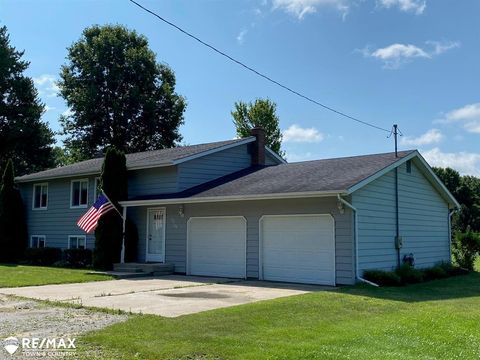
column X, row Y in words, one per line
column 168, row 296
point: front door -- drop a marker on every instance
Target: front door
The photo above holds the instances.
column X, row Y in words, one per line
column 156, row 235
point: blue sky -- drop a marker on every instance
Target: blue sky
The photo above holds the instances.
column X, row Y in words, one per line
column 411, row 62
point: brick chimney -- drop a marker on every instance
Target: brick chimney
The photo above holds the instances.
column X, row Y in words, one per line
column 258, row 147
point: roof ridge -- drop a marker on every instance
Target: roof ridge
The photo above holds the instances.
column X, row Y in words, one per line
column 406, row 152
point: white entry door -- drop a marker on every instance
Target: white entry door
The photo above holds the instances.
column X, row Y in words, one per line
column 156, row 235
column 216, row 246
column 298, row 248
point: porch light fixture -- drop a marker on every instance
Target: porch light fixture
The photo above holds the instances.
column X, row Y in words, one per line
column 341, row 207
column 180, row 211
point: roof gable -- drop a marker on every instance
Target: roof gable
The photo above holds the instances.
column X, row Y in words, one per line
column 140, row 160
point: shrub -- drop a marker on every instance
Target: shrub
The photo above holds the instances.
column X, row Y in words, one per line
column 77, row 258
column 435, row 272
column 382, row 278
column 42, row 256
column 409, row 275
column 452, row 270
column 465, row 248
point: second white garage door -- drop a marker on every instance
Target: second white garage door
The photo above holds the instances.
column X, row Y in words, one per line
column 298, row 248
column 217, row 246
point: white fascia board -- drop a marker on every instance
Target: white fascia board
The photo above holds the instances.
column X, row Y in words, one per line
column 427, row 171
column 381, row 172
column 214, row 150
column 295, row 195
column 275, row 155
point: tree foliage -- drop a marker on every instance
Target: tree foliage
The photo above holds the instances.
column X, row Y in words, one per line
column 13, row 226
column 108, row 234
column 260, row 113
column 24, row 138
column 118, row 95
column 466, row 190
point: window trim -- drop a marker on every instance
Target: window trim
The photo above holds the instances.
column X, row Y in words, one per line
column 38, row 236
column 33, row 197
column 71, row 194
column 84, row 237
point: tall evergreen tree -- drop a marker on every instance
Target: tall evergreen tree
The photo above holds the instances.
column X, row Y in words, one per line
column 108, row 234
column 13, row 227
column 24, row 138
column 118, row 95
column 260, row 113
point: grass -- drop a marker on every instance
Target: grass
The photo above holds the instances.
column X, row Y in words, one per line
column 435, row 320
column 21, row 275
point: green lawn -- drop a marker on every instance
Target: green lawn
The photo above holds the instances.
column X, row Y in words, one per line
column 435, row 320
column 19, row 275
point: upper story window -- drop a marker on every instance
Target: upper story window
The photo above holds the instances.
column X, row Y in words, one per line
column 40, row 196
column 79, row 193
column 37, row 241
column 77, row 242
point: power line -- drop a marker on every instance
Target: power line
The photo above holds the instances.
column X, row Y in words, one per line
column 256, row 71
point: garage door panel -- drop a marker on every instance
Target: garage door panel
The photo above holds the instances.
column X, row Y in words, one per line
column 216, row 246
column 298, row 248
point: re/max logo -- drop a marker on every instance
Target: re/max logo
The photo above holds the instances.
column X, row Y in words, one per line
column 44, row 343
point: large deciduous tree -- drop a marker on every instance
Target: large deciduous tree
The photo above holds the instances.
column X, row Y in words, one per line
column 13, row 226
column 118, row 95
column 108, row 234
column 24, row 138
column 466, row 190
column 260, row 113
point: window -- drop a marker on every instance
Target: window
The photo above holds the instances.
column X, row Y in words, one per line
column 98, row 189
column 37, row 241
column 40, row 196
column 79, row 193
column 409, row 166
column 77, row 242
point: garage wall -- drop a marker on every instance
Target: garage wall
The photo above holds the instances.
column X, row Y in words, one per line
column 423, row 219
column 252, row 210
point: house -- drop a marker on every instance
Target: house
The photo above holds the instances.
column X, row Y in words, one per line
column 236, row 209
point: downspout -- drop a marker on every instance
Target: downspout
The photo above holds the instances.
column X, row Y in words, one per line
column 397, row 219
column 450, row 232
column 355, row 239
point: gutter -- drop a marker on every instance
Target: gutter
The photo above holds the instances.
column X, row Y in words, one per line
column 355, row 236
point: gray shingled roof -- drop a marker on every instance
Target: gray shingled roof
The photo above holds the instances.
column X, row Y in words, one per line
column 337, row 174
column 135, row 160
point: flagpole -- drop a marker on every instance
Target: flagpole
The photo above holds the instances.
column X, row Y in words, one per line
column 124, row 217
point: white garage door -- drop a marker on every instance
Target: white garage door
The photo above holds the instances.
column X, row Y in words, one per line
column 217, row 246
column 298, row 248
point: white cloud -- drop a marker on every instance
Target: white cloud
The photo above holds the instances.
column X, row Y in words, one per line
column 300, row 8
column 395, row 55
column 241, row 36
column 414, row 6
column 464, row 162
column 296, row 133
column 432, row 136
column 49, row 108
column 46, row 85
column 468, row 116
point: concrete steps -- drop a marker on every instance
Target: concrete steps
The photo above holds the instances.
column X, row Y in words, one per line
column 154, row 269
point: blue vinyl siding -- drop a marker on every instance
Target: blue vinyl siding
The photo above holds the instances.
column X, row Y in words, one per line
column 423, row 219
column 58, row 221
column 176, row 231
column 213, row 166
column 152, row 181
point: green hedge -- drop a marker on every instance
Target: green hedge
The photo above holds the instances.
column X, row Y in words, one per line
column 46, row 256
column 407, row 274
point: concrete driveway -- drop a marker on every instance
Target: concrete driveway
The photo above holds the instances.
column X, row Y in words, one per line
column 168, row 296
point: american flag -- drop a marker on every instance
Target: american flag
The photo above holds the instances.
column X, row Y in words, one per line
column 89, row 221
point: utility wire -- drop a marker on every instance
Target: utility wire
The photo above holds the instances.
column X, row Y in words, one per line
column 257, row 72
